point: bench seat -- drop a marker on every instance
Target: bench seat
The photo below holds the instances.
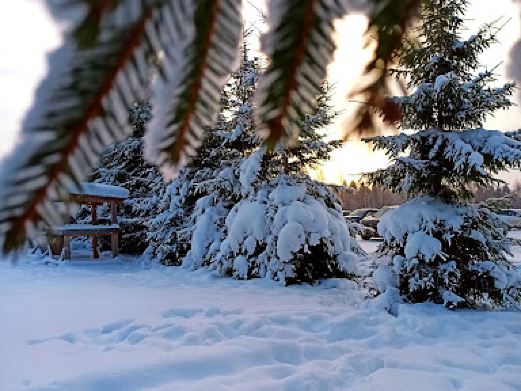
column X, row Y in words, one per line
column 68, row 231
column 86, row 229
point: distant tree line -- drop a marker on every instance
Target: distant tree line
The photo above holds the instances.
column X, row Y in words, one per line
column 356, row 195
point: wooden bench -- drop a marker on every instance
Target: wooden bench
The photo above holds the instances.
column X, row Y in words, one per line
column 94, row 194
column 68, row 231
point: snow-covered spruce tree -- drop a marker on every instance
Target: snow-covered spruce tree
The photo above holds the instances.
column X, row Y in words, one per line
column 123, row 165
column 288, row 227
column 207, row 186
column 190, row 226
column 201, row 216
column 443, row 249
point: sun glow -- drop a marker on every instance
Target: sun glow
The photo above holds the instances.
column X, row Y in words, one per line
column 349, row 163
column 356, row 157
column 28, row 33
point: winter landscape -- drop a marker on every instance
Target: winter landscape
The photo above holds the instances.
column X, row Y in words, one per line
column 165, row 222
column 123, row 325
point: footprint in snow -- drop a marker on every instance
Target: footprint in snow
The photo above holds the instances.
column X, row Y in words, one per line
column 210, row 312
column 67, row 337
column 115, row 326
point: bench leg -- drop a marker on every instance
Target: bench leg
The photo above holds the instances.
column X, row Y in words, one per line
column 114, row 239
column 95, row 252
column 67, row 247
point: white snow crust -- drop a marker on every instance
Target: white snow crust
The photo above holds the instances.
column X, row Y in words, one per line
column 248, row 171
column 100, row 190
column 131, row 325
column 280, row 220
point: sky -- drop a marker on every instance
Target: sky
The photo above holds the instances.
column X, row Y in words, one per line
column 23, row 64
column 28, row 33
column 356, row 157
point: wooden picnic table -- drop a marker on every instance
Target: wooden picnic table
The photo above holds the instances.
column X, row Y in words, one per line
column 94, row 194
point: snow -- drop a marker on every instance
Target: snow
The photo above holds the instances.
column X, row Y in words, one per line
column 459, row 44
column 420, row 214
column 422, row 244
column 130, row 325
column 288, row 194
column 206, row 231
column 249, row 169
column 245, row 222
column 278, row 223
column 100, row 190
column 443, row 80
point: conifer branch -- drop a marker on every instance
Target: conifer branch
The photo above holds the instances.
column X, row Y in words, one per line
column 209, row 55
column 301, row 46
column 390, row 21
column 80, row 110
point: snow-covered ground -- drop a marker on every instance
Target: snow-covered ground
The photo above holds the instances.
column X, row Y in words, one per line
column 120, row 325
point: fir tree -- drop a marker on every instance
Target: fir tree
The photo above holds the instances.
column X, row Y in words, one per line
column 276, row 188
column 139, row 116
column 311, row 148
column 232, row 176
column 204, row 183
column 197, row 201
column 444, row 250
column 290, row 229
column 123, row 165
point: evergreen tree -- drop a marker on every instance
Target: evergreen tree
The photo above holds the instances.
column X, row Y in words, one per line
column 203, row 184
column 444, row 250
column 290, row 229
column 287, row 226
column 123, row 165
column 232, row 177
column 311, row 147
column 197, row 201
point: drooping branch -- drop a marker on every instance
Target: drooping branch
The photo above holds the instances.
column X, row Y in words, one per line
column 301, row 45
column 192, row 90
column 80, row 110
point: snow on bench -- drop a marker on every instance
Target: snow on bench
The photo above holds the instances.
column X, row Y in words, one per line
column 68, row 231
column 93, row 194
column 100, row 190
